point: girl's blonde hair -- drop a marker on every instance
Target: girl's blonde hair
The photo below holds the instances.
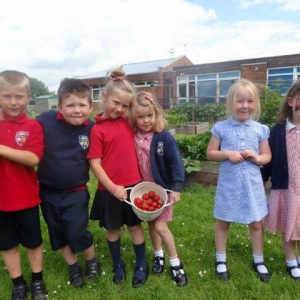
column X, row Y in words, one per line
column 116, row 81
column 144, row 100
column 15, row 78
column 286, row 111
column 232, row 96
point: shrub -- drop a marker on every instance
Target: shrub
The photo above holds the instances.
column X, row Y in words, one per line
column 193, row 147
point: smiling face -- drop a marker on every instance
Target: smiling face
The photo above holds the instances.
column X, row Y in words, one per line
column 244, row 105
column 145, row 118
column 13, row 100
column 76, row 110
column 116, row 104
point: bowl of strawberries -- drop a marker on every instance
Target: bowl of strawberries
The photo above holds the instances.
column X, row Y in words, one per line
column 148, row 200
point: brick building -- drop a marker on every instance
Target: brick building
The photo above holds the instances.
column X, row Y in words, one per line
column 177, row 80
column 156, row 77
column 207, row 83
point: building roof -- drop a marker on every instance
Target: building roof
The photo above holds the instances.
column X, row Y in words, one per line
column 137, row 68
column 46, row 96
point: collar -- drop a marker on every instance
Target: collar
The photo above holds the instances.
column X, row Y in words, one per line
column 233, row 121
column 20, row 119
column 146, row 136
column 60, row 116
column 289, row 125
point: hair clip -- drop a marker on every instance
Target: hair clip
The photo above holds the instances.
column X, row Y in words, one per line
column 149, row 99
column 118, row 78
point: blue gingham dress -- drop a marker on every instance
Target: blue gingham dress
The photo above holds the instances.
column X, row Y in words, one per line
column 240, row 195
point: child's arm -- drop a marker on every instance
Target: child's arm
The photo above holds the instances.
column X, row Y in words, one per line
column 118, row 191
column 214, row 153
column 264, row 156
column 23, row 157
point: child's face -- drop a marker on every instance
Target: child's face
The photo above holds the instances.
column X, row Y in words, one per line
column 13, row 100
column 145, row 118
column 244, row 105
column 294, row 102
column 116, row 105
column 75, row 110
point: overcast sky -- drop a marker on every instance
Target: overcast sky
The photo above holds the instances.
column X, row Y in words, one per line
column 53, row 39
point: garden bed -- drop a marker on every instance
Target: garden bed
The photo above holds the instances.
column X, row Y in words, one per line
column 191, row 128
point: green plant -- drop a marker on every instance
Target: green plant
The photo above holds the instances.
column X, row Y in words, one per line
column 191, row 165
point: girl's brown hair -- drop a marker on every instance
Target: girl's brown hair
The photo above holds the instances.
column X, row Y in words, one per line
column 144, row 99
column 286, row 111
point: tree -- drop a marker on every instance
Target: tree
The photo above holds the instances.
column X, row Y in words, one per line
column 38, row 88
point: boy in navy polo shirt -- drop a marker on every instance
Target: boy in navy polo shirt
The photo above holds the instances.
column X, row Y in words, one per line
column 21, row 147
column 63, row 174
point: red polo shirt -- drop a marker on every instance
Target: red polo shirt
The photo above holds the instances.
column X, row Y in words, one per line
column 18, row 183
column 112, row 141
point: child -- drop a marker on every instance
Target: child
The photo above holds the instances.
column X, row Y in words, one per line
column 63, row 175
column 21, row 147
column 159, row 161
column 241, row 144
column 285, row 174
column 114, row 163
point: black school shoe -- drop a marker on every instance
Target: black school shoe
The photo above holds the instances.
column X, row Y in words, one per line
column 158, row 265
column 38, row 290
column 179, row 275
column 93, row 270
column 76, row 277
column 19, row 292
column 139, row 281
column 119, row 277
column 263, row 277
column 223, row 276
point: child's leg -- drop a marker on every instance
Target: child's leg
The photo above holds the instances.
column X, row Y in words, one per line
column 75, row 271
column 154, row 236
column 257, row 240
column 291, row 261
column 167, row 238
column 114, row 245
column 92, row 263
column 141, row 270
column 12, row 260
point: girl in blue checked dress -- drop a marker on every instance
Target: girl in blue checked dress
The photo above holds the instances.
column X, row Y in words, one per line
column 241, row 144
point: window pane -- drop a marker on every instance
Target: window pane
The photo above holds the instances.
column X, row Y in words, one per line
column 281, row 71
column 207, row 91
column 281, row 83
column 224, row 86
column 230, row 75
column 207, row 76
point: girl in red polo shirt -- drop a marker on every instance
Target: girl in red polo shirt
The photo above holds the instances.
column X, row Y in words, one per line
column 114, row 163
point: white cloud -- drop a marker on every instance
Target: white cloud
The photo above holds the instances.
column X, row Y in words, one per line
column 54, row 39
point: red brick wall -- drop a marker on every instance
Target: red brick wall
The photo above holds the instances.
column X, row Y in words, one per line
column 257, row 73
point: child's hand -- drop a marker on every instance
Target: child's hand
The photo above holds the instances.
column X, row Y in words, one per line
column 120, row 193
column 250, row 155
column 174, row 197
column 235, row 157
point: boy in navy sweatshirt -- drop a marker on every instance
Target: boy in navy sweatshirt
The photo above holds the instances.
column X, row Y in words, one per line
column 63, row 174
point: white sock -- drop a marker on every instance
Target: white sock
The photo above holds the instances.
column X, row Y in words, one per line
column 174, row 261
column 221, row 257
column 259, row 258
column 159, row 252
column 291, row 263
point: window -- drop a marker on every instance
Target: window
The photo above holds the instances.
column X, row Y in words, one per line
column 145, row 83
column 282, row 78
column 96, row 92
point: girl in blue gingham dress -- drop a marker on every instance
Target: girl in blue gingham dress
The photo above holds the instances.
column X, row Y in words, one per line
column 241, row 144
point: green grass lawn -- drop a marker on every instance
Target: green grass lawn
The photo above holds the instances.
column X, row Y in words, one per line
column 193, row 228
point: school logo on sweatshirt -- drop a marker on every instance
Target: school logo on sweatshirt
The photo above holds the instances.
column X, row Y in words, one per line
column 22, row 137
column 160, row 148
column 84, row 141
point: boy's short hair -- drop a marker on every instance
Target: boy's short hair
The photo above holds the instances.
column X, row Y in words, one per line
column 15, row 78
column 73, row 86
